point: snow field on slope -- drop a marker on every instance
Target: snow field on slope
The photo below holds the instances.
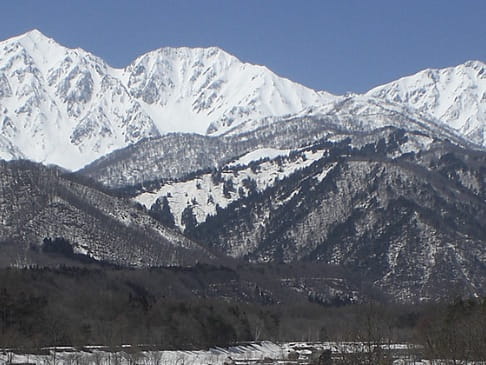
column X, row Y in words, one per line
column 264, row 167
column 204, row 195
column 259, row 154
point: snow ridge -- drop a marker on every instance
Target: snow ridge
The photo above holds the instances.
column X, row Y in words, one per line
column 454, row 95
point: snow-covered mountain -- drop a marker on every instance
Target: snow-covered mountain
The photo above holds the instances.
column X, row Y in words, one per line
column 455, row 95
column 63, row 106
column 389, row 184
column 68, row 107
column 207, row 192
column 206, row 90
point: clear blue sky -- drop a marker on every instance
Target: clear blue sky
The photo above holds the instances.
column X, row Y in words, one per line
column 339, row 46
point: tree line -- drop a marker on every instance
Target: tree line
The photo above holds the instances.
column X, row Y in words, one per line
column 78, row 306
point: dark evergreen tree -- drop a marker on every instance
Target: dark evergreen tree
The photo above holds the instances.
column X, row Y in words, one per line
column 250, row 185
column 188, row 220
column 216, row 177
column 160, row 210
column 228, row 188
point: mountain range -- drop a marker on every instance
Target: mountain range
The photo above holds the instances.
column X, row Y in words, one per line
column 190, row 155
column 49, row 92
column 52, row 93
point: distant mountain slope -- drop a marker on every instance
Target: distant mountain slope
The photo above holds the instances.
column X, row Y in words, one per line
column 38, row 203
column 455, row 95
column 174, row 156
column 401, row 209
column 51, row 93
column 406, row 228
column 207, row 192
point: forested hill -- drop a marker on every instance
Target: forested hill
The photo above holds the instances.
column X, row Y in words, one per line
column 40, row 204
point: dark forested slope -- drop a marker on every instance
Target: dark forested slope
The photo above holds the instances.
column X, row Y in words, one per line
column 39, row 205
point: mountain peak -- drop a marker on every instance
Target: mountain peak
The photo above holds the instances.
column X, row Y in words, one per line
column 32, row 36
column 34, row 48
column 195, row 56
column 72, row 96
column 35, row 34
column 453, row 95
column 208, row 51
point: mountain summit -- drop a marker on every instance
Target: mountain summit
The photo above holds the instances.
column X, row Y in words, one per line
column 206, row 90
column 454, row 95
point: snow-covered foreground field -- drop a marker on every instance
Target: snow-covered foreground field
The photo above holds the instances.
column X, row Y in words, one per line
column 256, row 353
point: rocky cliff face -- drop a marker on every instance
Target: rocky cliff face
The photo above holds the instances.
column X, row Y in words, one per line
column 51, row 93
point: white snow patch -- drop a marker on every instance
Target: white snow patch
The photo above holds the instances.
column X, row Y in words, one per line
column 259, row 154
column 203, row 193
